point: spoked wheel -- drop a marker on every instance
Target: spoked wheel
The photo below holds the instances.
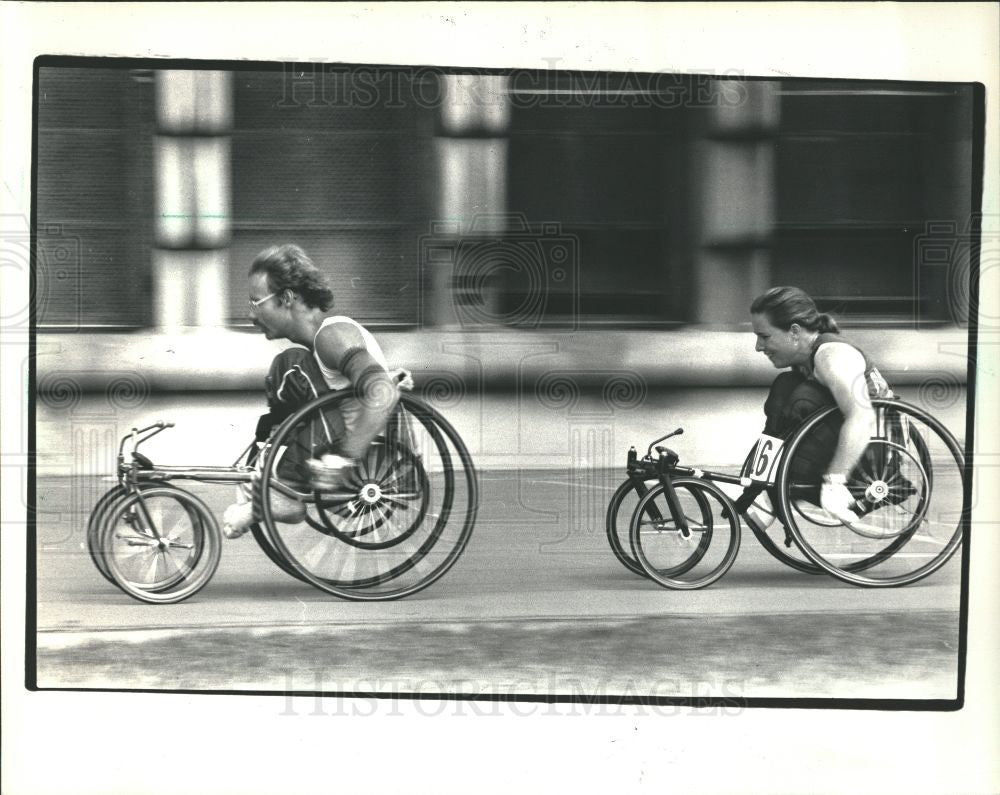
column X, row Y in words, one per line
column 383, row 500
column 616, row 523
column 160, row 544
column 98, row 516
column 694, row 560
column 910, row 491
column 398, row 520
column 775, row 538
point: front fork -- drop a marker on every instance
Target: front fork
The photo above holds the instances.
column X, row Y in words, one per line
column 664, row 466
column 680, row 520
column 144, row 516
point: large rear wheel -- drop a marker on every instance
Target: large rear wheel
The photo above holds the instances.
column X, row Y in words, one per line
column 398, row 520
column 910, row 490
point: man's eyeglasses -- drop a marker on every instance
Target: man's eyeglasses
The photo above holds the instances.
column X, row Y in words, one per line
column 255, row 302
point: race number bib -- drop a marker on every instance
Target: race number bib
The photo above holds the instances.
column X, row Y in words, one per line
column 765, row 458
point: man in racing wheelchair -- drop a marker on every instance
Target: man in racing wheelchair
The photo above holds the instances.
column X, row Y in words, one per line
column 826, row 370
column 290, row 299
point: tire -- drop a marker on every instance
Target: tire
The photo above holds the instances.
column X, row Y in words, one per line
column 419, row 504
column 616, row 523
column 97, row 519
column 94, row 525
column 160, row 545
column 911, row 487
column 666, row 556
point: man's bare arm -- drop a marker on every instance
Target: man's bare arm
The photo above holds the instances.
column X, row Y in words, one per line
column 341, row 347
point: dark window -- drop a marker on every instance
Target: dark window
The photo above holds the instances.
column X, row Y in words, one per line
column 603, row 157
column 94, row 188
column 339, row 164
column 863, row 172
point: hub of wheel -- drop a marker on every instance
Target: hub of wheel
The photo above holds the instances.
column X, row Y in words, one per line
column 370, row 494
column 877, row 491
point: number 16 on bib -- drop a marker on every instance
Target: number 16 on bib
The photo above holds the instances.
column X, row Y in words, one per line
column 765, row 458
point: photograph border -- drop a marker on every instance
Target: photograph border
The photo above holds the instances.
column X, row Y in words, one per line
column 750, row 702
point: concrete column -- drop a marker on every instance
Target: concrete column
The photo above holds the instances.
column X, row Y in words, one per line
column 736, row 197
column 471, row 157
column 193, row 221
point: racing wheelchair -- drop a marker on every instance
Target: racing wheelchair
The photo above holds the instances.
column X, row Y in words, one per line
column 393, row 524
column 676, row 526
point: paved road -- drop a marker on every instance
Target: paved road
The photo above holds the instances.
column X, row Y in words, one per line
column 537, row 603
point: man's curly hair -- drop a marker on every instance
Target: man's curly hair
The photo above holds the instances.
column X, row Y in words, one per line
column 288, row 267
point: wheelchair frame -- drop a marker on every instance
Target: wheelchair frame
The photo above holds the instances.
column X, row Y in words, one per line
column 190, row 555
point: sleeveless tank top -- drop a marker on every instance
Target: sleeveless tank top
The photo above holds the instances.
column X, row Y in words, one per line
column 334, row 378
column 878, row 387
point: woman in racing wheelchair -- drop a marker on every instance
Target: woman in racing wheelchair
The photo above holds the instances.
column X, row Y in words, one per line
column 290, row 299
column 852, row 473
column 825, row 370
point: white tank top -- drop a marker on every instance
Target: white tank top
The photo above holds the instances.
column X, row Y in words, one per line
column 334, row 378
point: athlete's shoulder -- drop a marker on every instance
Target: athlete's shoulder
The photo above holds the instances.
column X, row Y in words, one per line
column 339, row 327
column 834, row 342
column 339, row 319
column 836, row 351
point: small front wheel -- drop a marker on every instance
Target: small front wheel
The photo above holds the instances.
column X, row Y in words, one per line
column 160, row 544
column 99, row 517
column 690, row 560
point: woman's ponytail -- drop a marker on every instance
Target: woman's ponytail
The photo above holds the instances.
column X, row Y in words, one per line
column 826, row 324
